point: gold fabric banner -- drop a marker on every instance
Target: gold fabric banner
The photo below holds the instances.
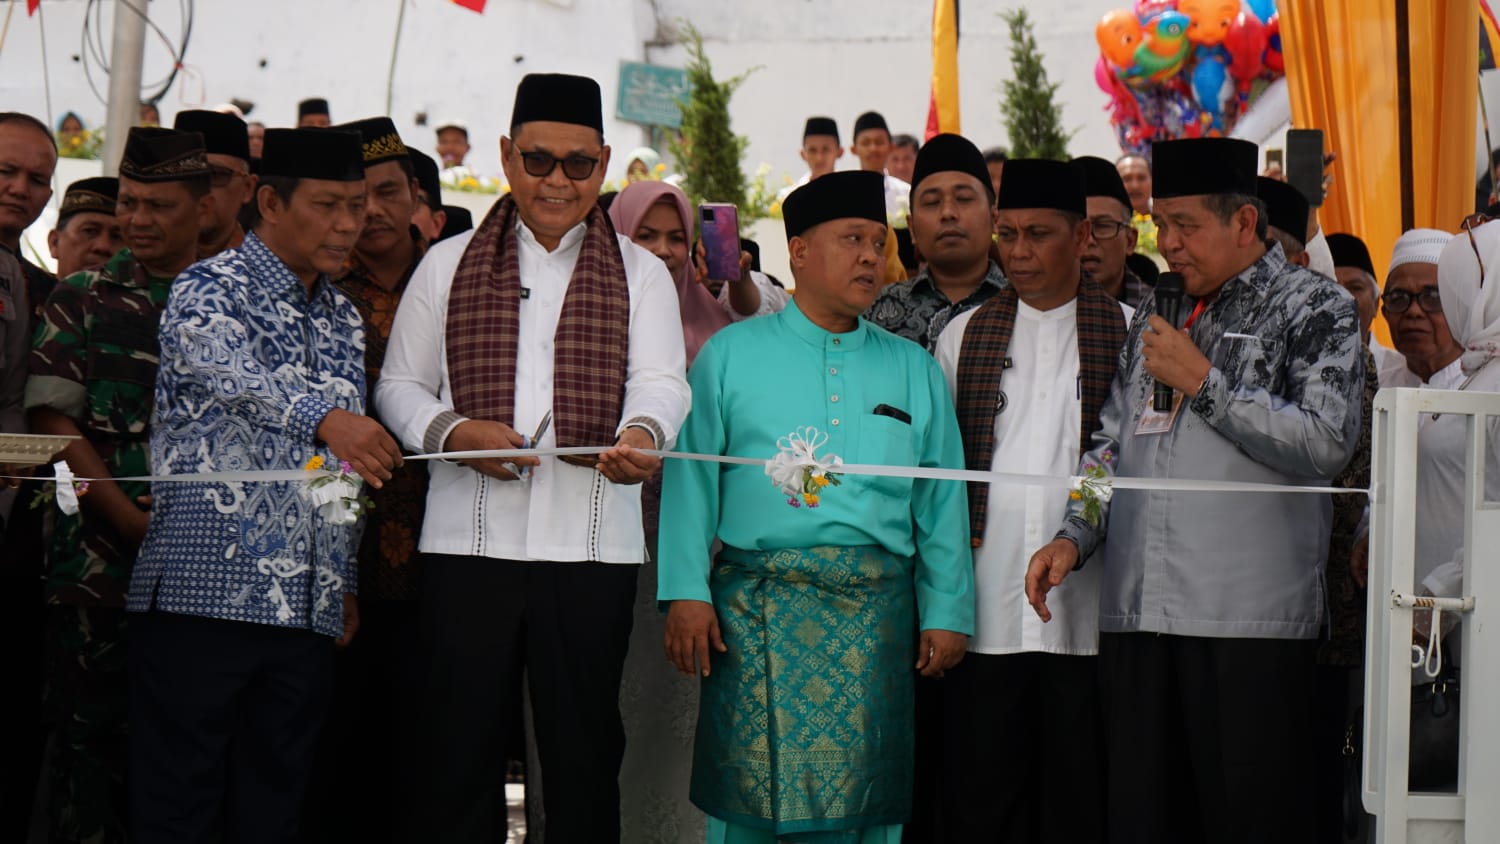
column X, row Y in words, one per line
column 1341, row 67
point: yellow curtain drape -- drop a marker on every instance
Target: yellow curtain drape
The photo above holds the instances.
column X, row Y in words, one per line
column 1341, row 68
column 944, row 68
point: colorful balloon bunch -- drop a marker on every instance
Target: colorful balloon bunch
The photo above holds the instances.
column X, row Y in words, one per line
column 1184, row 68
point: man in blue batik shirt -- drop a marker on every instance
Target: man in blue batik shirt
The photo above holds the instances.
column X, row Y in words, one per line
column 242, row 587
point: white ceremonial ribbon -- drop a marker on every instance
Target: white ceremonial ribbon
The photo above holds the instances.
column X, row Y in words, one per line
column 871, row 469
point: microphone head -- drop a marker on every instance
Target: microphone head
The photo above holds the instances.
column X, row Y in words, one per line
column 1169, row 285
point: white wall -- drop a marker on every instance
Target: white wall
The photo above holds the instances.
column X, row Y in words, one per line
column 844, row 57
column 838, row 57
column 453, row 63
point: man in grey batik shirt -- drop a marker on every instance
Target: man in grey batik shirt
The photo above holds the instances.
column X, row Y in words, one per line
column 1211, row 603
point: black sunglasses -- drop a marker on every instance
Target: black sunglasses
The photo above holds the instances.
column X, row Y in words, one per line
column 1399, row 301
column 575, row 167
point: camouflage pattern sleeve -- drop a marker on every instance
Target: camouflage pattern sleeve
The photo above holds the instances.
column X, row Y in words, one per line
column 59, row 352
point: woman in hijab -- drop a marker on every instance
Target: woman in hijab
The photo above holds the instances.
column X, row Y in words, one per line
column 657, row 216
column 641, row 166
column 658, row 705
column 1469, row 289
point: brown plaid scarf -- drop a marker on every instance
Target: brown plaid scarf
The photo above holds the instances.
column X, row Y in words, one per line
column 592, row 338
column 982, row 362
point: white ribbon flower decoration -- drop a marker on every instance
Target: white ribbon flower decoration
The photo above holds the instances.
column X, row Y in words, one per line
column 68, row 489
column 798, row 471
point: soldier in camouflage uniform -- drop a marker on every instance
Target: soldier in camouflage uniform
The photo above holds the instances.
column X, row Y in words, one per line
column 93, row 373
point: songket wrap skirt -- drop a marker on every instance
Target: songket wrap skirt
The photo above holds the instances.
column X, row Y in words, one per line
column 805, row 724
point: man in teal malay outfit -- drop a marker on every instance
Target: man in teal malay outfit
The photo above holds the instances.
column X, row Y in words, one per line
column 811, row 609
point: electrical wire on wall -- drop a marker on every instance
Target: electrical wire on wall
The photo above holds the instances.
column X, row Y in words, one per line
column 95, row 53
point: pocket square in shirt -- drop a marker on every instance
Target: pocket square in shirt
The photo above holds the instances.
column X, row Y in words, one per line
column 895, row 413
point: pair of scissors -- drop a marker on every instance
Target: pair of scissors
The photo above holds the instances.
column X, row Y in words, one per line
column 524, row 472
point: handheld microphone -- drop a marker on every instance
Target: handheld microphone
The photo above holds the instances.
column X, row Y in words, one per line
column 1169, row 291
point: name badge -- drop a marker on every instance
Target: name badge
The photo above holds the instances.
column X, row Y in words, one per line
column 1157, row 421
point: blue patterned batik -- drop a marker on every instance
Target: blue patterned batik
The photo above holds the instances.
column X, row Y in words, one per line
column 250, row 365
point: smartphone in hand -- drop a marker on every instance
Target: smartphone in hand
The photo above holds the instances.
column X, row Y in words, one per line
column 1304, row 163
column 719, row 223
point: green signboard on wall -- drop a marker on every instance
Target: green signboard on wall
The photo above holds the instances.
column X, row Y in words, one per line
column 649, row 94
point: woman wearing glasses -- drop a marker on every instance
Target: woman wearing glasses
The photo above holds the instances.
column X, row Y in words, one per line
column 1469, row 303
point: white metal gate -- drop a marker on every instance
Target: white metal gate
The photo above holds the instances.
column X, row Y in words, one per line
column 1473, row 814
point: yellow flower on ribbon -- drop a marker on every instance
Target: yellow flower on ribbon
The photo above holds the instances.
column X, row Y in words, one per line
column 1075, row 495
column 660, row 168
column 810, row 499
column 820, row 480
column 314, row 463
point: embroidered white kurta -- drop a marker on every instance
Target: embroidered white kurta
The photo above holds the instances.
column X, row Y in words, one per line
column 564, row 512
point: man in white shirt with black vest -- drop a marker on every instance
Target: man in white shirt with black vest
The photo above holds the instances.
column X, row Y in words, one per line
column 1030, row 371
column 540, row 320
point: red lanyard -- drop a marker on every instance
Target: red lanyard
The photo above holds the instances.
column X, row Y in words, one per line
column 1197, row 309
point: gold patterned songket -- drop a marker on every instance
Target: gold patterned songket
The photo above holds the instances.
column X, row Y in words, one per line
column 384, row 147
column 79, row 201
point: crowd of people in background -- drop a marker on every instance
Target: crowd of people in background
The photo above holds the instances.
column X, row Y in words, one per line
column 845, row 660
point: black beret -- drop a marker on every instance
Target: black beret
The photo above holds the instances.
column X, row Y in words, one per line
column 948, row 152
column 870, row 120
column 427, row 177
column 1350, row 251
column 558, row 98
column 96, row 195
column 330, row 155
column 748, row 245
column 223, row 134
column 315, row 105
column 839, row 195
column 154, row 154
column 378, row 140
column 1144, row 268
column 1043, row 183
column 1102, row 178
column 1286, row 207
column 459, row 221
column 821, row 126
column 1200, row 166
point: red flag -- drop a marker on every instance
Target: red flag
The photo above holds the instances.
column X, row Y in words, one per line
column 32, row 6
column 471, row 5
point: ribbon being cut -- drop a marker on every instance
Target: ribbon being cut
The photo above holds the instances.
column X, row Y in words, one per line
column 796, row 470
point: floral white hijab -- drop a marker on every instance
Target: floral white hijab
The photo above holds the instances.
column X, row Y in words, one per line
column 1469, row 283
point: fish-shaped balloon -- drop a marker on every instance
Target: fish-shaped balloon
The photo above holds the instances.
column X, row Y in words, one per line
column 1164, row 48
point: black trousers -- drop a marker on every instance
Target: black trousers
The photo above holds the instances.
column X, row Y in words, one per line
column 1208, row 740
column 362, row 785
column 568, row 626
column 22, row 621
column 224, row 718
column 925, row 826
column 1022, row 752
